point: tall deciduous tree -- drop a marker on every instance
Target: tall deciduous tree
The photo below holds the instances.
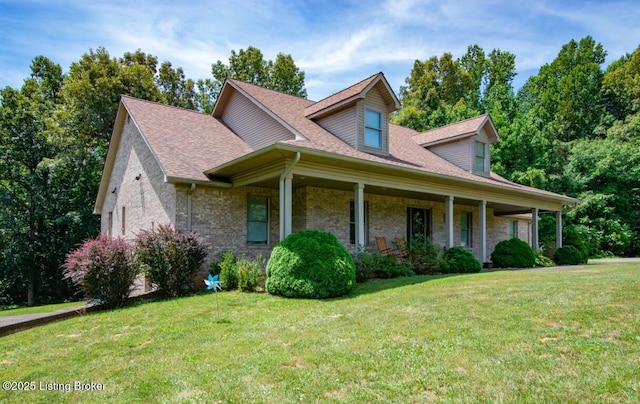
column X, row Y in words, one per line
column 30, row 205
column 250, row 66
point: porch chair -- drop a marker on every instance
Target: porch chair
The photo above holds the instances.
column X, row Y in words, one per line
column 384, row 249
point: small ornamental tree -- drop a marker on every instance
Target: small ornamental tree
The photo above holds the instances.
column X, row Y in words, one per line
column 170, row 258
column 103, row 268
column 513, row 253
column 310, row 264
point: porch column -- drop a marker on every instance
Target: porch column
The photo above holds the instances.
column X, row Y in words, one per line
column 482, row 207
column 359, row 213
column 534, row 228
column 285, row 206
column 559, row 229
column 448, row 219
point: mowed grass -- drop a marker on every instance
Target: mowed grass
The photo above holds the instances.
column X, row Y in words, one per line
column 546, row 335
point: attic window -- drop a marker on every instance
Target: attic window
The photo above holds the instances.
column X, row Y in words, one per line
column 480, row 157
column 372, row 128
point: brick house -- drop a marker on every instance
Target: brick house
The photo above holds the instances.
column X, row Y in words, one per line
column 265, row 164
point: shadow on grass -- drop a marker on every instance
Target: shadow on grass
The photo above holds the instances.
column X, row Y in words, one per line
column 379, row 285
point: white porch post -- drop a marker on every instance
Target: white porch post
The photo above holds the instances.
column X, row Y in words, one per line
column 448, row 219
column 534, row 228
column 285, row 206
column 482, row 207
column 559, row 229
column 359, row 213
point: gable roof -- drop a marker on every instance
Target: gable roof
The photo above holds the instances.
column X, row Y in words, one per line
column 352, row 94
column 458, row 131
column 190, row 146
column 404, row 152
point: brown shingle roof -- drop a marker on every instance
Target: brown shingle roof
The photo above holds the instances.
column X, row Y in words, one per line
column 346, row 94
column 184, row 142
column 453, row 131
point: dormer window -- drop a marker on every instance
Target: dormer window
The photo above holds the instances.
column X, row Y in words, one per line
column 372, row 128
column 480, row 158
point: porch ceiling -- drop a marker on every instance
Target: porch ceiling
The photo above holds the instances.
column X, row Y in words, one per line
column 263, row 169
column 302, row 181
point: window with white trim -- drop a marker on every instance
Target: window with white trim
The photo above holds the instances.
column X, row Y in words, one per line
column 465, row 229
column 513, row 229
column 480, row 157
column 257, row 220
column 372, row 128
column 352, row 222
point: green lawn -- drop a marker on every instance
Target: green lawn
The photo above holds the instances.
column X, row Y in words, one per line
column 546, row 335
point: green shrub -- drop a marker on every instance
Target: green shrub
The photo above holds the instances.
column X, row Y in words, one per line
column 369, row 264
column 572, row 237
column 228, row 270
column 459, row 261
column 568, row 255
column 310, row 264
column 103, row 268
column 249, row 273
column 543, row 261
column 170, row 258
column 424, row 256
column 513, row 253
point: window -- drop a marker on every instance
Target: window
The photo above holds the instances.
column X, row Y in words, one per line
column 480, row 155
column 257, row 220
column 352, row 222
column 513, row 229
column 465, row 229
column 372, row 128
column 110, row 225
column 418, row 223
column 123, row 221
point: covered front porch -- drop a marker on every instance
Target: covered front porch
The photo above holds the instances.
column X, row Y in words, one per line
column 359, row 200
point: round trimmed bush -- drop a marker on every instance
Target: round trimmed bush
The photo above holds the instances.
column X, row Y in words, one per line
column 568, row 255
column 513, row 253
column 460, row 261
column 310, row 264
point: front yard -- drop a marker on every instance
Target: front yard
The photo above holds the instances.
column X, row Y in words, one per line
column 543, row 335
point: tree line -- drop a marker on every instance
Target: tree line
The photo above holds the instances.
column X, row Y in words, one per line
column 572, row 128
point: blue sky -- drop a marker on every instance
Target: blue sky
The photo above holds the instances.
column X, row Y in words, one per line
column 336, row 43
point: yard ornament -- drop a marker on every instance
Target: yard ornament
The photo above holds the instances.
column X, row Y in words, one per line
column 212, row 282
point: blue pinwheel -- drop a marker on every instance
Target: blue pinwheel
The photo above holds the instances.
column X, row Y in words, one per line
column 213, row 283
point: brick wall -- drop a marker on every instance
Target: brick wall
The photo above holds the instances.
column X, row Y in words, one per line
column 139, row 188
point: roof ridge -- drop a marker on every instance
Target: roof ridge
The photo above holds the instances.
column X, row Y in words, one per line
column 345, row 89
column 269, row 89
column 162, row 105
column 454, row 123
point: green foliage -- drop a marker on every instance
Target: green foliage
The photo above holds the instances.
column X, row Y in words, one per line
column 568, row 255
column 228, row 270
column 460, row 261
column 371, row 265
column 424, row 256
column 250, row 273
column 310, row 264
column 543, row 261
column 103, row 268
column 513, row 253
column 170, row 258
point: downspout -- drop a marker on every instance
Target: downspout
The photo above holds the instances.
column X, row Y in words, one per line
column 189, row 211
column 285, row 198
